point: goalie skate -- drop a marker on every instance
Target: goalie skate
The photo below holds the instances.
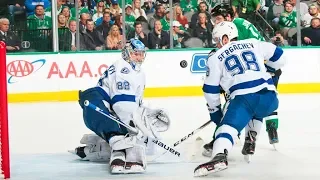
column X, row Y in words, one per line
column 218, row 163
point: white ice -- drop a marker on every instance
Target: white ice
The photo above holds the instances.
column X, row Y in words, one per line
column 41, row 134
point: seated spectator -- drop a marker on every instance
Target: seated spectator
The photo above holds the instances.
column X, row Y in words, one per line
column 148, row 6
column 99, row 20
column 39, row 20
column 274, row 12
column 313, row 13
column 203, row 30
column 137, row 10
column 12, row 41
column 98, row 12
column 178, row 15
column 195, row 16
column 189, row 5
column 245, row 8
column 159, row 14
column 66, row 12
column 129, row 18
column 83, row 21
column 115, row 9
column 104, row 28
column 278, row 40
column 311, row 35
column 119, row 23
column 81, row 9
column 138, row 33
column 165, row 21
column 93, row 38
column 60, row 4
column 179, row 36
column 303, row 7
column 158, row 39
column 31, row 5
column 114, row 39
column 317, row 4
column 16, row 7
column 62, row 23
column 288, row 19
column 67, row 38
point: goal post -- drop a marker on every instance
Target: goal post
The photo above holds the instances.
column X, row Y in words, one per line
column 4, row 134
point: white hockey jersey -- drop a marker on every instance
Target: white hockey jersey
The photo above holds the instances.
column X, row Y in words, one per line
column 240, row 67
column 123, row 89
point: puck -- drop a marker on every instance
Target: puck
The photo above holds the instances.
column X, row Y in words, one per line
column 183, row 63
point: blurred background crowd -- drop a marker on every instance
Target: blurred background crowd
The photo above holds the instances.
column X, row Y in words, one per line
column 86, row 25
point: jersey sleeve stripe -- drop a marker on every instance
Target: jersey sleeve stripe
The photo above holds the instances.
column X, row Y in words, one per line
column 277, row 54
column 104, row 94
column 211, row 89
column 123, row 97
column 250, row 84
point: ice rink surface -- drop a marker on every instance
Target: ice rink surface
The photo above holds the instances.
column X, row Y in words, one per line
column 41, row 134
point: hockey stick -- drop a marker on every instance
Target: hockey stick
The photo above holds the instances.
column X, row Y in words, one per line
column 157, row 142
column 185, row 138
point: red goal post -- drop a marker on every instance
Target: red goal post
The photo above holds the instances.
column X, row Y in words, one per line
column 4, row 134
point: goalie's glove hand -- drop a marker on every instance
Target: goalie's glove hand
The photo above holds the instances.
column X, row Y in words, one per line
column 215, row 114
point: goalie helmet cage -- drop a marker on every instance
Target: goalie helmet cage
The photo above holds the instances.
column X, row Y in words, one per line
column 4, row 135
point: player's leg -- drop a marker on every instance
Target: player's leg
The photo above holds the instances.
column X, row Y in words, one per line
column 272, row 121
column 237, row 116
column 126, row 155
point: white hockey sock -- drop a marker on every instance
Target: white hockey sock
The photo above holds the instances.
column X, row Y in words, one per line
column 225, row 136
column 253, row 125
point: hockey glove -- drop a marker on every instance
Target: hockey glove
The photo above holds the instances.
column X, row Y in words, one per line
column 215, row 114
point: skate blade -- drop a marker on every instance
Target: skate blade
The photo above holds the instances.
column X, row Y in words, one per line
column 248, row 158
column 134, row 170
column 204, row 172
column 274, row 147
column 117, row 170
column 72, row 152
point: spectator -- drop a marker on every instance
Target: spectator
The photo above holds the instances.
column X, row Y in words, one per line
column 159, row 14
column 105, row 26
column 99, row 20
column 278, row 40
column 83, row 21
column 81, row 9
column 195, row 16
column 138, row 33
column 66, row 12
column 93, row 39
column 203, row 30
column 303, row 7
column 313, row 12
column 39, row 20
column 129, row 18
column 114, row 39
column 189, row 5
column 148, row 6
column 12, row 41
column 119, row 23
column 60, row 4
column 158, row 39
column 311, row 35
column 165, row 21
column 62, row 23
column 98, row 13
column 115, row 9
column 179, row 36
column 180, row 17
column 31, row 5
column 274, row 12
column 288, row 19
column 246, row 7
column 16, row 7
column 317, row 4
column 137, row 10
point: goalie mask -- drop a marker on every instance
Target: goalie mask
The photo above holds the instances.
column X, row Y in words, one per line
column 134, row 52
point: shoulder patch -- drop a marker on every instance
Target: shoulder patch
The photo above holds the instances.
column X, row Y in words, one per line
column 125, row 70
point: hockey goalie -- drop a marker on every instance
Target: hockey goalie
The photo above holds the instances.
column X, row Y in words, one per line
column 119, row 93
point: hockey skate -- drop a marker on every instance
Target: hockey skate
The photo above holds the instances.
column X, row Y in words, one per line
column 218, row 163
column 272, row 133
column 207, row 152
column 249, row 146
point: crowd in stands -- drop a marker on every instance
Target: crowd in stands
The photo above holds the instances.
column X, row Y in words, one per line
column 27, row 24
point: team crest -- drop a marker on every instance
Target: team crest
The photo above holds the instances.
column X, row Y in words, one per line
column 125, row 70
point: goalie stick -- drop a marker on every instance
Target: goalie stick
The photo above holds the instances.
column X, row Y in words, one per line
column 157, row 142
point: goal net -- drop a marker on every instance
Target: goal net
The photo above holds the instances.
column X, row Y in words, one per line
column 4, row 138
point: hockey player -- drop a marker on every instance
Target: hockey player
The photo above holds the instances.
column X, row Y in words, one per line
column 119, row 92
column 239, row 68
column 246, row 30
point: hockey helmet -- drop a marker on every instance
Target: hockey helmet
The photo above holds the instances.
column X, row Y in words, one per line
column 134, row 52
